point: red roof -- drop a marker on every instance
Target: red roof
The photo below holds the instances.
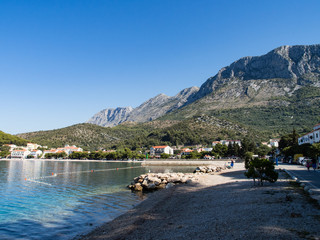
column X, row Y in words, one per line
column 159, row 146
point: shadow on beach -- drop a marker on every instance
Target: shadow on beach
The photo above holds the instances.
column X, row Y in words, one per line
column 233, row 210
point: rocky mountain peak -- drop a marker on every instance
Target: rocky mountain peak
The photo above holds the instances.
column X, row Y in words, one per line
column 111, row 117
column 285, row 62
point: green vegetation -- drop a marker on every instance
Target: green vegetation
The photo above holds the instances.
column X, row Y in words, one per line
column 261, row 169
column 6, row 138
column 120, row 154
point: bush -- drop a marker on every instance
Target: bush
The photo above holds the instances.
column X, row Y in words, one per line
column 261, row 169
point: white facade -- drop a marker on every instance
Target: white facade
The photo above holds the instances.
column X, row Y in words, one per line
column 32, row 146
column 157, row 150
column 20, row 153
column 311, row 137
column 274, row 143
column 35, row 153
column 227, row 142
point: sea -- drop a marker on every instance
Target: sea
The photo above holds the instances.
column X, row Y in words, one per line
column 42, row 199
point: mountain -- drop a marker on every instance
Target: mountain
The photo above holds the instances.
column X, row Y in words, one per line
column 247, row 82
column 147, row 111
column 274, row 92
column 264, row 97
column 279, row 72
column 111, row 117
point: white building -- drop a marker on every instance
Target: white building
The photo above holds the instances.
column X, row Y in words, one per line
column 21, row 153
column 70, row 149
column 157, row 150
column 32, row 146
column 311, row 137
column 227, row 142
column 35, row 153
column 274, row 142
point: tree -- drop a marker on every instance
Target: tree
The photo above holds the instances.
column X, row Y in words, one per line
column 261, row 169
column 263, row 150
column 164, row 155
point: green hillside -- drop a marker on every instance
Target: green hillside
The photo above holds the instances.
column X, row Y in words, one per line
column 272, row 118
column 6, row 138
column 196, row 130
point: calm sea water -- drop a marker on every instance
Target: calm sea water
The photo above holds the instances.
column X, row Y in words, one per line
column 59, row 200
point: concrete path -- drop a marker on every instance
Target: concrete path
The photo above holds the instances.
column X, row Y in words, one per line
column 310, row 178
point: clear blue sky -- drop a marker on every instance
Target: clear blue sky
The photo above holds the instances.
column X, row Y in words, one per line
column 63, row 61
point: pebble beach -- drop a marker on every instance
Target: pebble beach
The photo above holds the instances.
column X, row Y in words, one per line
column 224, row 205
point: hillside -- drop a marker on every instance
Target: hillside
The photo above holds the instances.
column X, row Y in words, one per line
column 271, row 93
column 6, row 138
column 197, row 130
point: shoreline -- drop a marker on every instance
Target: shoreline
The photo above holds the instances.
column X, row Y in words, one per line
column 216, row 207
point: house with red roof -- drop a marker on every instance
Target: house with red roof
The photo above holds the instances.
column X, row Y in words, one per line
column 157, row 150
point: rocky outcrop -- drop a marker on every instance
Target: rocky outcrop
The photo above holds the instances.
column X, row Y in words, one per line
column 208, row 169
column 249, row 80
column 111, row 117
column 300, row 63
column 149, row 110
column 154, row 181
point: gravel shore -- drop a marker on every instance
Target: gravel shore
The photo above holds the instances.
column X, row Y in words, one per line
column 220, row 206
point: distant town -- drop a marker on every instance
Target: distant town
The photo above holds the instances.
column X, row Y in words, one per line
column 36, row 151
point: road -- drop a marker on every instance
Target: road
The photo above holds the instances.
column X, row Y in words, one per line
column 311, row 178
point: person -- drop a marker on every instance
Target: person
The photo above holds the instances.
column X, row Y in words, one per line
column 314, row 165
column 232, row 163
column 308, row 165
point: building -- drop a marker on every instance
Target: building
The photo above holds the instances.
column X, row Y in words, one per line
column 20, row 153
column 311, row 137
column 35, row 153
column 186, row 151
column 157, row 150
column 69, row 149
column 32, row 146
column 227, row 142
column 274, row 142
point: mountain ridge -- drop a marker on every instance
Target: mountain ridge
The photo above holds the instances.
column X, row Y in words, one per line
column 252, row 80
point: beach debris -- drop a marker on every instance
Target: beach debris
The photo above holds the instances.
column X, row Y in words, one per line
column 154, row 181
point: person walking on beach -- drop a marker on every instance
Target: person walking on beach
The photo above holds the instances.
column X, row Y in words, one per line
column 308, row 165
column 314, row 165
column 232, row 163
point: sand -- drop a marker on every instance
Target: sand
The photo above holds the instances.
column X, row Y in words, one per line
column 220, row 206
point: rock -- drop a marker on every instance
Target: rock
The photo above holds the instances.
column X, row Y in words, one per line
column 138, row 187
column 145, row 183
column 151, row 186
column 170, row 184
column 161, row 186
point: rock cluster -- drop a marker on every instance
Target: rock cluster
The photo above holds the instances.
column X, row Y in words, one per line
column 154, row 181
column 208, row 169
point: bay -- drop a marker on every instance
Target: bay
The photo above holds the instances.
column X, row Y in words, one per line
column 61, row 199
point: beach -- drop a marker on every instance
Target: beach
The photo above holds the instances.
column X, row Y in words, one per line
column 225, row 205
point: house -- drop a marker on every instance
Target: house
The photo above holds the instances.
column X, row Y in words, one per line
column 186, row 151
column 11, row 146
column 227, row 142
column 35, row 153
column 311, row 137
column 157, row 150
column 274, row 142
column 69, row 149
column 20, row 153
column 32, row 146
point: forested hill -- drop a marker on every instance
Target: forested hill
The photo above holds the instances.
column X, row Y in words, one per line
column 196, row 130
column 6, row 138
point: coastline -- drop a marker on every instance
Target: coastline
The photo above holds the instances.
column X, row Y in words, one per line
column 220, row 206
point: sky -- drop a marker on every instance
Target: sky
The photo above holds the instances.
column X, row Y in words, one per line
column 63, row 61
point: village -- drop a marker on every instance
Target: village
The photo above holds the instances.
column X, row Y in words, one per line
column 36, row 151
